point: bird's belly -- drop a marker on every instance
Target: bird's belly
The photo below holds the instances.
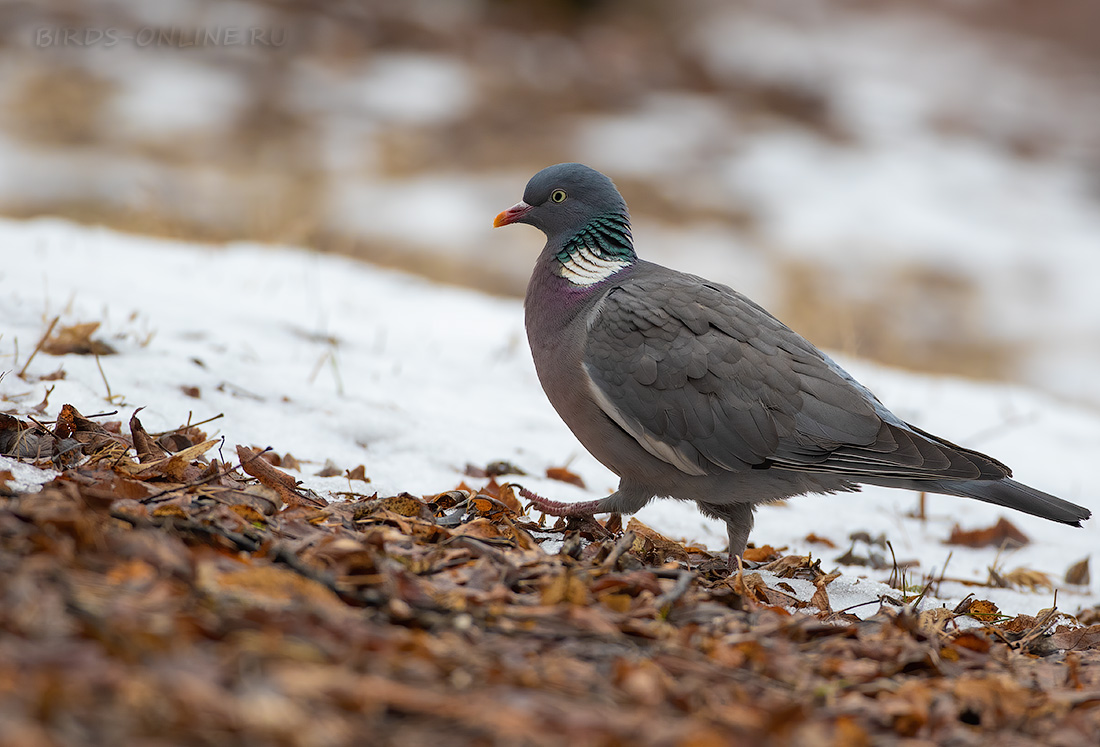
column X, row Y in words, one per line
column 600, row 435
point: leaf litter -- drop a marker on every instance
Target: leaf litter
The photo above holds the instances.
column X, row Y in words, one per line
column 152, row 591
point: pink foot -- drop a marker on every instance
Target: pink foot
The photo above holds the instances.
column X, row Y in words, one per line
column 557, row 508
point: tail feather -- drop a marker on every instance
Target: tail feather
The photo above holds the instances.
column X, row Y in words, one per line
column 1011, row 494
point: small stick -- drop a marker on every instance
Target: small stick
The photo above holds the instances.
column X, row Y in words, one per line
column 189, row 424
column 44, row 428
column 621, row 546
column 110, row 397
column 683, row 583
column 857, row 606
column 38, row 347
column 217, row 475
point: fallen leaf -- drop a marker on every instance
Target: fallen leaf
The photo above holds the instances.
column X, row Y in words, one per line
column 1076, row 639
column 358, row 473
column 279, row 481
column 6, row 476
column 1003, row 533
column 148, row 450
column 649, row 543
column 403, row 504
column 1032, row 580
column 819, row 540
column 971, row 641
column 330, row 470
column 564, row 475
column 77, row 339
column 979, row 609
column 760, row 554
column 1078, row 573
column 935, row 621
column 564, row 587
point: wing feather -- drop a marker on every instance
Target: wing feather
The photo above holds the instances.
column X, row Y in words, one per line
column 706, row 380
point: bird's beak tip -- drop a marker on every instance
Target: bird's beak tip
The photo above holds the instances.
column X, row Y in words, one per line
column 513, row 214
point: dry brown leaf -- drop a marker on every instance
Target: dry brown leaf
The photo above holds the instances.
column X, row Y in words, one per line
column 820, row 599
column 148, row 450
column 76, row 339
column 404, row 504
column 6, row 476
column 1003, row 533
column 651, row 543
column 935, row 621
column 971, row 641
column 1076, row 639
column 565, row 587
column 792, row 566
column 330, row 470
column 179, row 466
column 507, row 495
column 564, row 475
column 1030, row 579
column 358, row 473
column 248, row 513
column 1078, row 573
column 274, row 478
column 172, row 510
column 979, row 609
column 760, row 554
column 819, row 540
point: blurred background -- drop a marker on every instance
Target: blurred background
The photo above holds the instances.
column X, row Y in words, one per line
column 912, row 182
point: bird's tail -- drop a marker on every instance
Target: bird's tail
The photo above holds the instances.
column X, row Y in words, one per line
column 1011, row 494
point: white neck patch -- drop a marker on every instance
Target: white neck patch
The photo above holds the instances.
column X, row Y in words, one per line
column 584, row 267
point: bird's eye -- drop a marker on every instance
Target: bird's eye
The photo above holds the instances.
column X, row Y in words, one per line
column 558, row 195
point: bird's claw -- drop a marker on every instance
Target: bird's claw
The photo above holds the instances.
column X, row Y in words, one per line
column 557, row 508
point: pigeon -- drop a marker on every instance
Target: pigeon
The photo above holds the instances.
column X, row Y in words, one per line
column 686, row 389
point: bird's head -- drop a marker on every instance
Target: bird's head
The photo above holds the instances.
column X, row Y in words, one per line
column 561, row 199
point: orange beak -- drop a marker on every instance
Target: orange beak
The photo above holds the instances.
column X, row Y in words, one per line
column 513, row 214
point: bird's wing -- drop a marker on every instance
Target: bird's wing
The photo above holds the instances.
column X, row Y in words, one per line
column 706, row 380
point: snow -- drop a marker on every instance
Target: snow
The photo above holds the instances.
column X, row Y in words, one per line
column 405, row 88
column 330, row 359
column 164, row 99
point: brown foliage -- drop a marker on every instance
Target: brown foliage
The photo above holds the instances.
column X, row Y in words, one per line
column 150, row 595
column 1003, row 533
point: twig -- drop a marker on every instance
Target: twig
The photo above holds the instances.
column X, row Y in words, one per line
column 241, row 541
column 44, row 428
column 336, row 372
column 317, row 368
column 110, row 397
column 1041, row 625
column 943, row 572
column 209, row 478
column 623, row 544
column 669, row 598
column 38, row 347
column 857, row 606
column 188, row 425
column 897, row 575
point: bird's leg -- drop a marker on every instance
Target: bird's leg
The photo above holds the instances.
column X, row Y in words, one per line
column 580, row 511
column 739, row 521
column 557, row 508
